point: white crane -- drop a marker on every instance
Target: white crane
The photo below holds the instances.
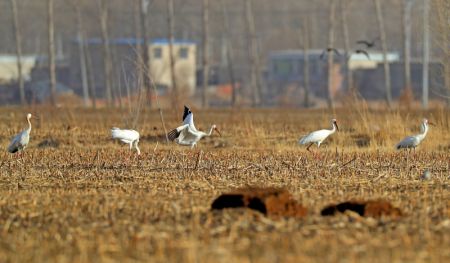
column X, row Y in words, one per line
column 317, row 137
column 187, row 134
column 21, row 140
column 130, row 137
column 413, row 141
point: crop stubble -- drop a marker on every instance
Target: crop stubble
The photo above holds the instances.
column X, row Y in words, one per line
column 84, row 201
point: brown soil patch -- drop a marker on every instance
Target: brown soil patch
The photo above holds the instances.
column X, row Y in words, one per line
column 271, row 202
column 371, row 208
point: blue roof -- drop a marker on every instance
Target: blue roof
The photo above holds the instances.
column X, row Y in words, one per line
column 165, row 41
column 135, row 41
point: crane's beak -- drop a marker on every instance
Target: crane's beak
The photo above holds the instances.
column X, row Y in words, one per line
column 430, row 123
column 217, row 130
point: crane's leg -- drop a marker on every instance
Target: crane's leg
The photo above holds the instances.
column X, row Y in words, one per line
column 22, row 153
column 312, row 152
column 309, row 146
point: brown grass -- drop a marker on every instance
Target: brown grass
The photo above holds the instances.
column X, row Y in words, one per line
column 82, row 201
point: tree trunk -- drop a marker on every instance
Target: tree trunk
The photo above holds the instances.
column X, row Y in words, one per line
column 382, row 32
column 115, row 78
column 306, row 45
column 145, row 52
column 229, row 53
column 426, row 53
column 90, row 75
column 82, row 56
column 253, row 54
column 330, row 54
column 18, row 38
column 441, row 13
column 139, row 64
column 103, row 10
column 345, row 35
column 205, row 53
column 51, row 53
column 171, row 24
column 407, row 5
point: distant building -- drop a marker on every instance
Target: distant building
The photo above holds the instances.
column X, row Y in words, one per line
column 185, row 64
column 285, row 76
column 125, row 57
column 8, row 68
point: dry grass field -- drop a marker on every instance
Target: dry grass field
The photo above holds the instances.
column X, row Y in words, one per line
column 80, row 200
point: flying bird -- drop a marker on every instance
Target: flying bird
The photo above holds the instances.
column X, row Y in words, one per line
column 369, row 44
column 187, row 134
column 317, row 137
column 21, row 140
column 361, row 51
column 328, row 50
column 411, row 142
column 130, row 137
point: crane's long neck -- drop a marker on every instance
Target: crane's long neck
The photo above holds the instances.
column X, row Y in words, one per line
column 424, row 130
column 333, row 129
column 29, row 124
column 210, row 131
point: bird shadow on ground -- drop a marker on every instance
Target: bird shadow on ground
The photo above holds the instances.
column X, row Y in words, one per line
column 361, row 140
column 154, row 138
column 49, row 142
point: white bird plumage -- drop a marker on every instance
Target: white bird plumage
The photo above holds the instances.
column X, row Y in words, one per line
column 317, row 137
column 188, row 117
column 130, row 137
column 187, row 134
column 21, row 140
column 414, row 140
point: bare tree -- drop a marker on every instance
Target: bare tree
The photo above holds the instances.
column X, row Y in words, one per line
column 441, row 36
column 107, row 60
column 348, row 72
column 51, row 53
column 426, row 52
column 387, row 74
column 229, row 50
column 171, row 24
column 18, row 39
column 145, row 51
column 138, row 65
column 330, row 56
column 306, row 44
column 407, row 6
column 82, row 55
column 205, row 53
column 90, row 75
column 253, row 54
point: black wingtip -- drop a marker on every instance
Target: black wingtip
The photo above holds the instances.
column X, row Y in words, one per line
column 14, row 150
column 173, row 134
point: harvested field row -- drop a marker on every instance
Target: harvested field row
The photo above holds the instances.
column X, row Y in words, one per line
column 85, row 201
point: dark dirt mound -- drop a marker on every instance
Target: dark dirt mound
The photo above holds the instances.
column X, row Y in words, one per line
column 271, row 202
column 372, row 208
